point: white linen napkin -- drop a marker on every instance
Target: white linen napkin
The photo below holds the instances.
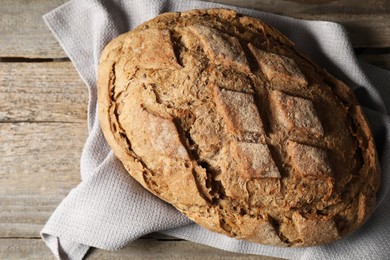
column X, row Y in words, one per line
column 109, row 209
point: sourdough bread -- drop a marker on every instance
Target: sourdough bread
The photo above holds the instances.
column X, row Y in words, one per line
column 219, row 115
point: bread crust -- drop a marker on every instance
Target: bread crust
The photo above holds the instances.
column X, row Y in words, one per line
column 219, row 115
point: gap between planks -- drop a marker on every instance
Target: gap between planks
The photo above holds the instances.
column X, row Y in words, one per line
column 42, row 92
column 27, row 59
column 24, row 33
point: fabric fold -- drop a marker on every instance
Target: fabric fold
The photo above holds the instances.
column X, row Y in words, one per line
column 109, row 209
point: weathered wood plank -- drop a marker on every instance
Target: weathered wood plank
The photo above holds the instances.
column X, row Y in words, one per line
column 23, row 33
column 341, row 6
column 53, row 91
column 25, row 215
column 40, row 158
column 380, row 60
column 154, row 249
column 313, row 7
column 138, row 250
column 374, row 28
column 39, row 166
column 24, row 249
column 47, row 91
column 371, row 20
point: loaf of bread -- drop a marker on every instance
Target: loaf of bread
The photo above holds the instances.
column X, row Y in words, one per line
column 219, row 115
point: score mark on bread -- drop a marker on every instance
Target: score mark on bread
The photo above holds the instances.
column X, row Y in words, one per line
column 220, row 115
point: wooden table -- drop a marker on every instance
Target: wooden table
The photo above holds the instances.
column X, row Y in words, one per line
column 43, row 113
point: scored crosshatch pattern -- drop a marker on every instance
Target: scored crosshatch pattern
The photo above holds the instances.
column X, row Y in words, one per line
column 296, row 114
column 240, row 114
column 29, row 76
column 249, row 122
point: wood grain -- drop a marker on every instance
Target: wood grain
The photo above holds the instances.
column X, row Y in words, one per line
column 40, row 158
column 42, row 132
column 369, row 18
column 23, row 216
column 141, row 249
column 24, row 34
column 43, row 112
column 39, row 166
column 313, row 7
column 47, row 91
column 43, row 128
column 375, row 58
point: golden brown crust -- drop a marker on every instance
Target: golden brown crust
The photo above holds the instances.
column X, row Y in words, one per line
column 218, row 114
